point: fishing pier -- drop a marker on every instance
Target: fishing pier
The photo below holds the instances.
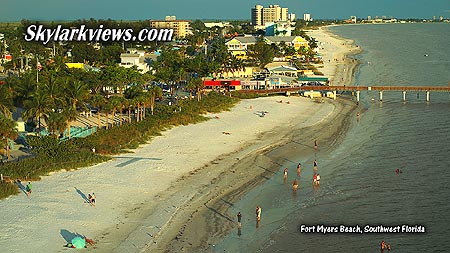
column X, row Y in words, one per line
column 354, row 89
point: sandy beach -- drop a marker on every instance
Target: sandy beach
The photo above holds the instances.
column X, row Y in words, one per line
column 336, row 53
column 173, row 193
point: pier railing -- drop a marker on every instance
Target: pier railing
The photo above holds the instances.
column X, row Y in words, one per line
column 356, row 89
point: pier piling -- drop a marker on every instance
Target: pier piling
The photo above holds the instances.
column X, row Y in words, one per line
column 428, row 96
column 404, row 95
column 381, row 96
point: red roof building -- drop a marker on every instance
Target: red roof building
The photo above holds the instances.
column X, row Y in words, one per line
column 222, row 84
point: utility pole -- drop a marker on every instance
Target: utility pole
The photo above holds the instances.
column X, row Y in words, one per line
column 37, row 70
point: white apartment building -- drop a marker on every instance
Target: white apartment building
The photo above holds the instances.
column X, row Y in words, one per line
column 307, row 17
column 261, row 15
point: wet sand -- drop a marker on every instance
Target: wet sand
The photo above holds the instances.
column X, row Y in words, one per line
column 205, row 227
column 172, row 194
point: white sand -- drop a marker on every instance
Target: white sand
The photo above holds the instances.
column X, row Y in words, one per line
column 334, row 50
column 130, row 181
column 133, row 207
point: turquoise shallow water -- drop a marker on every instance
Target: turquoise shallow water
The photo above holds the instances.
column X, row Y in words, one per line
column 359, row 184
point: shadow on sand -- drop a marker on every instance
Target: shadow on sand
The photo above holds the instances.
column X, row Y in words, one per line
column 217, row 212
column 68, row 236
column 21, row 186
column 82, row 195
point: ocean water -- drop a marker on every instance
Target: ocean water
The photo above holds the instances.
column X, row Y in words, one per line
column 359, row 185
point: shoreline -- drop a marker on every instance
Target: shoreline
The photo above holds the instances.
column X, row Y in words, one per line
column 144, row 197
column 214, row 226
column 159, row 196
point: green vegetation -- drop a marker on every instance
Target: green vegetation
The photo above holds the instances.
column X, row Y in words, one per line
column 8, row 189
column 241, row 95
column 54, row 155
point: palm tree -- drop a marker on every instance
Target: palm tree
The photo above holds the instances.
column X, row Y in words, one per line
column 114, row 103
column 98, row 101
column 139, row 101
column 122, row 103
column 5, row 101
column 76, row 93
column 7, row 131
column 153, row 92
column 52, row 87
column 107, row 109
column 24, row 87
column 70, row 115
column 36, row 107
column 197, row 85
column 57, row 123
column 133, row 94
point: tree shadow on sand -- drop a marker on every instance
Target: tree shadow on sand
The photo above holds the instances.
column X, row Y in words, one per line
column 68, row 236
column 82, row 195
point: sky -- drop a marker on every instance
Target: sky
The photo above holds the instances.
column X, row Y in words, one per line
column 54, row 10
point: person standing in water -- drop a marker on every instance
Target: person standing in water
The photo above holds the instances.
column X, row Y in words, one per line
column 295, row 185
column 316, row 145
column 299, row 169
column 258, row 213
column 318, row 179
column 383, row 245
column 239, row 217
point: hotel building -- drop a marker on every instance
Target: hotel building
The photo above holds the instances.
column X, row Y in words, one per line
column 181, row 28
column 262, row 15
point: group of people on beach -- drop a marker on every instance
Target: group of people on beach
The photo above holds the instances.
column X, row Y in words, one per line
column 316, row 182
column 91, row 199
column 385, row 246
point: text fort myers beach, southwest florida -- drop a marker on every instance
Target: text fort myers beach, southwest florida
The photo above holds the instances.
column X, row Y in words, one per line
column 327, row 229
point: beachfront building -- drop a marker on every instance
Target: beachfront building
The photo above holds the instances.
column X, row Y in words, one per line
column 278, row 29
column 245, row 72
column 134, row 57
column 283, row 71
column 237, row 46
column 217, row 24
column 222, row 85
column 261, row 15
column 296, row 41
column 181, row 28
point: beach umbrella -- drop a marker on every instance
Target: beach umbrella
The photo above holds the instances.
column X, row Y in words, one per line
column 78, row 242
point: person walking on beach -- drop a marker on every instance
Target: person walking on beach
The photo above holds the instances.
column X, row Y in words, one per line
column 315, row 179
column 239, row 217
column 299, row 169
column 318, row 179
column 28, row 189
column 285, row 173
column 316, row 145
